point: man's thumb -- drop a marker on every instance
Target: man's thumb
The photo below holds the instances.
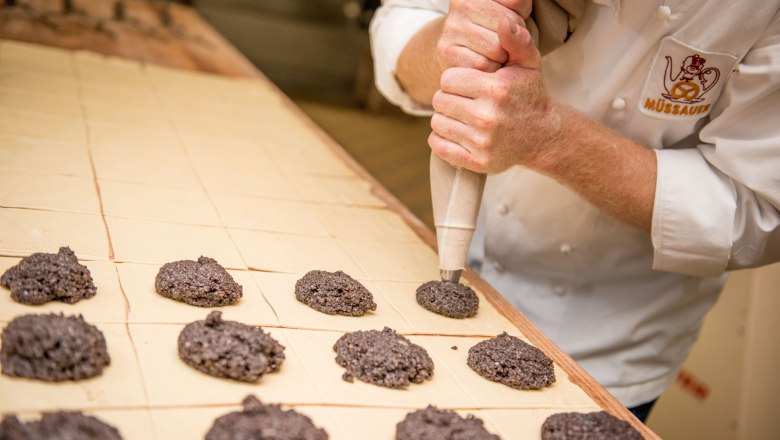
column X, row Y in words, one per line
column 517, row 41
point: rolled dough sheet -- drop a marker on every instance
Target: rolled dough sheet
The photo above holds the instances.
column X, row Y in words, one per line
column 315, row 158
column 489, row 394
column 132, row 424
column 43, row 155
column 357, row 223
column 316, row 350
column 166, row 204
column 487, row 322
column 38, row 125
column 194, row 423
column 219, row 128
column 171, row 382
column 106, row 112
column 108, row 304
column 104, row 136
column 152, row 168
column 241, row 174
column 270, row 215
column 394, row 261
column 120, row 385
column 26, row 231
column 522, row 424
column 38, row 82
column 139, row 97
column 148, row 306
column 200, row 109
column 342, row 191
column 56, row 192
column 293, row 253
column 21, row 100
column 279, row 289
column 36, row 58
column 142, row 241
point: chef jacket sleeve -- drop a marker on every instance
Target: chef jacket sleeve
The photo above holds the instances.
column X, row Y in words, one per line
column 393, row 25
column 717, row 207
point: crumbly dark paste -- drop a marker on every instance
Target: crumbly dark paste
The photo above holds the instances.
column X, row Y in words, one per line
column 42, row 277
column 53, row 348
column 58, row 425
column 453, row 300
column 434, row 423
column 382, row 358
column 334, row 293
column 513, row 362
column 202, row 283
column 229, row 349
column 588, row 426
column 266, row 422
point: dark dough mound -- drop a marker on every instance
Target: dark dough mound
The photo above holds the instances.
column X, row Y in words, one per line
column 41, row 278
column 53, row 348
column 266, row 422
column 229, row 349
column 202, row 283
column 334, row 293
column 513, row 362
column 453, row 300
column 433, row 423
column 58, row 425
column 587, row 426
column 382, row 358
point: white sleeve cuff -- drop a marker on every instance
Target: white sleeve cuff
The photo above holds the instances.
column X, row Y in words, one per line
column 693, row 215
column 391, row 29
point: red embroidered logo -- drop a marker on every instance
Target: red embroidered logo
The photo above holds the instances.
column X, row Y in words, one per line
column 685, row 88
column 690, row 84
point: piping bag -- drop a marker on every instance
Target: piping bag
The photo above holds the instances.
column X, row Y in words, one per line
column 456, row 194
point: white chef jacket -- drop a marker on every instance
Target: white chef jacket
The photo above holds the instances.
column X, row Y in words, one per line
column 626, row 305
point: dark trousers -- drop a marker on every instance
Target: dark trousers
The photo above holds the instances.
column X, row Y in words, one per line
column 642, row 411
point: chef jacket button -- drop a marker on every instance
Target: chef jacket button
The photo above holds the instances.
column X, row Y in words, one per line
column 618, row 104
column 565, row 248
column 561, row 290
column 498, row 267
column 663, row 12
column 503, row 209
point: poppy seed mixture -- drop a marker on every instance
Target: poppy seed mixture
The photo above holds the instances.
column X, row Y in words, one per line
column 512, row 362
column 202, row 283
column 453, row 300
column 58, row 425
column 264, row 421
column 434, row 423
column 334, row 293
column 598, row 425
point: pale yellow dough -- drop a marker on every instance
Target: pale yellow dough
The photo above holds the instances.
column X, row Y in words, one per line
column 357, row 223
column 270, row 215
column 172, row 382
column 108, row 304
column 279, row 289
column 394, row 261
column 34, row 125
column 157, row 168
column 343, row 191
column 120, row 385
column 47, row 156
column 20, row 100
column 38, row 82
column 148, row 306
column 142, row 241
column 55, row 192
column 103, row 136
column 26, row 231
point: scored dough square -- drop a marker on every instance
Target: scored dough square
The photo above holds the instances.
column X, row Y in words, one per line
column 43, row 155
column 148, row 306
column 158, row 168
column 270, row 215
column 141, row 241
column 39, row 83
column 38, row 125
column 223, row 128
column 120, row 385
column 247, row 174
column 293, row 253
column 36, row 58
column 108, row 304
column 314, row 158
column 104, row 136
column 26, row 231
column 279, row 289
column 356, row 223
column 194, row 423
column 107, row 112
column 335, row 190
column 131, row 423
column 489, row 394
column 394, row 261
column 171, row 382
column 178, row 205
column 487, row 322
column 316, row 350
column 57, row 192
column 136, row 97
column 22, row 100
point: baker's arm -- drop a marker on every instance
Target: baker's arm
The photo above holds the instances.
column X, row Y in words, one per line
column 709, row 209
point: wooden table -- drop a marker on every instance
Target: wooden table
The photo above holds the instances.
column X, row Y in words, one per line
column 135, row 165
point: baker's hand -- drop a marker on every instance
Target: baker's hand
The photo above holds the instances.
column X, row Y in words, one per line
column 487, row 122
column 469, row 35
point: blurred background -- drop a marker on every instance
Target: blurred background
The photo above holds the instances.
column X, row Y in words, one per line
column 317, row 52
